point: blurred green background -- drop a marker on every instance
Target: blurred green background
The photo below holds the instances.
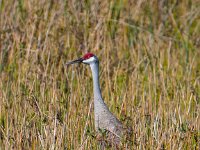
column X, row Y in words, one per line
column 149, row 54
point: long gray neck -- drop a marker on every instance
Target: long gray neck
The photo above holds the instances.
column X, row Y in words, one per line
column 101, row 111
column 96, row 87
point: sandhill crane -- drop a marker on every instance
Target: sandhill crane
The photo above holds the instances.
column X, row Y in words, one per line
column 104, row 119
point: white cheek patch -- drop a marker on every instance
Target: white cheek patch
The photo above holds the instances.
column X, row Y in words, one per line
column 90, row 60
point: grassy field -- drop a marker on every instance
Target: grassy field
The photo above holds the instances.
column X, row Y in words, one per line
column 149, row 53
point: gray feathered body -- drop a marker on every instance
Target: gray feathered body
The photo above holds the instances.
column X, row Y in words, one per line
column 104, row 119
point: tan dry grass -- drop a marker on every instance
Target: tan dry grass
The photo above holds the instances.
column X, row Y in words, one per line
column 150, row 72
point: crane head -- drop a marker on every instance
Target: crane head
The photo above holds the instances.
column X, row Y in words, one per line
column 88, row 58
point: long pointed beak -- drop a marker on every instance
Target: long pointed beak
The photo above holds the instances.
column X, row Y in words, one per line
column 75, row 61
